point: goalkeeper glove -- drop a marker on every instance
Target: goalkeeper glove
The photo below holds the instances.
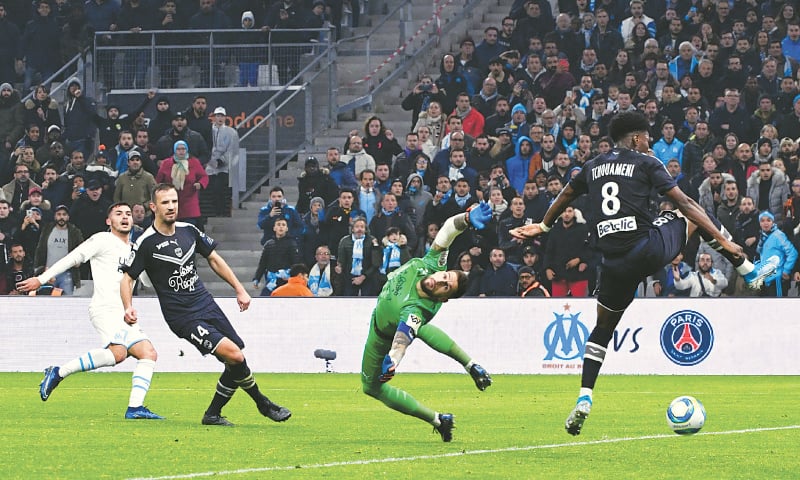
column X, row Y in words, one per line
column 387, row 369
column 479, row 215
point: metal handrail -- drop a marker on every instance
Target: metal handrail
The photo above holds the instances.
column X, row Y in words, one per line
column 376, row 27
column 274, row 163
column 76, row 59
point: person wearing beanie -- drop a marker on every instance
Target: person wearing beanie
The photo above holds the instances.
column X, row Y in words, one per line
column 248, row 70
column 161, row 123
column 763, row 151
column 80, row 115
column 189, row 177
column 313, row 222
column 518, row 124
column 529, row 286
column 315, row 182
column 11, row 118
column 775, row 247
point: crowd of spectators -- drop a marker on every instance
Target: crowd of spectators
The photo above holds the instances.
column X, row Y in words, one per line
column 508, row 120
column 511, row 117
column 56, row 186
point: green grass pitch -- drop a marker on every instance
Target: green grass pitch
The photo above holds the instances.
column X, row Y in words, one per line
column 514, row 430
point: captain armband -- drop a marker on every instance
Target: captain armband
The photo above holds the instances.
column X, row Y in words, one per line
column 410, row 326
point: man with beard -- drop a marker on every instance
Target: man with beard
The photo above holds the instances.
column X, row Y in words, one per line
column 706, row 281
column 11, row 120
column 118, row 155
column 59, row 238
column 135, row 186
column 314, row 182
column 188, row 307
column 406, row 306
column 180, row 131
column 197, row 119
column 481, row 160
column 16, row 191
column 500, row 117
column 699, row 143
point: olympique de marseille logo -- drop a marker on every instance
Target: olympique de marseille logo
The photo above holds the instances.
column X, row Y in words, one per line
column 565, row 338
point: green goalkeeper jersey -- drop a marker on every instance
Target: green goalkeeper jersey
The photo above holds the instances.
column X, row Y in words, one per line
column 399, row 300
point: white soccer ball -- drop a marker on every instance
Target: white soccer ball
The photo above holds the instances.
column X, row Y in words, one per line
column 686, row 415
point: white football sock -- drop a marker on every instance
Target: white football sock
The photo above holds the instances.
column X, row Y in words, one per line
column 93, row 359
column 142, row 375
column 585, row 392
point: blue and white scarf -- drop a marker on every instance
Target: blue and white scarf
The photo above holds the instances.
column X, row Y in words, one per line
column 358, row 256
column 319, row 281
column 391, row 258
column 462, row 201
column 273, row 277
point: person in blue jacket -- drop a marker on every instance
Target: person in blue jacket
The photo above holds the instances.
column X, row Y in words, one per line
column 775, row 247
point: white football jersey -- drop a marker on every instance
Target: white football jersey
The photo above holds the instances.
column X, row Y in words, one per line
column 105, row 252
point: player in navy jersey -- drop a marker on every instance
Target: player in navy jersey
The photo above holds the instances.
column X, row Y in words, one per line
column 633, row 243
column 166, row 251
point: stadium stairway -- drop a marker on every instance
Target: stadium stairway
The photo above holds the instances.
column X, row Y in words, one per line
column 239, row 235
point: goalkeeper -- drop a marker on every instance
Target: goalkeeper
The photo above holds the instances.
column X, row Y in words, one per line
column 406, row 305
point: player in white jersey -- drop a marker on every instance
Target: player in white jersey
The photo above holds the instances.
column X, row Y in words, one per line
column 105, row 251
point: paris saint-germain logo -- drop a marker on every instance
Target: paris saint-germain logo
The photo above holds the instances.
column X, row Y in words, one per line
column 687, row 337
column 565, row 338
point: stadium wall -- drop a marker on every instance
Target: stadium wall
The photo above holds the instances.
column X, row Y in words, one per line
column 665, row 337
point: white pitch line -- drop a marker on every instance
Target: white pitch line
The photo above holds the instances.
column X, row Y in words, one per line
column 458, row 454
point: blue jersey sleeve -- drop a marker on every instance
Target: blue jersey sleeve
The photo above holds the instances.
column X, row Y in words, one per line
column 662, row 180
column 205, row 244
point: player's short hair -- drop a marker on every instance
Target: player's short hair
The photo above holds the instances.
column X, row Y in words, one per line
column 626, row 123
column 117, row 204
column 161, row 187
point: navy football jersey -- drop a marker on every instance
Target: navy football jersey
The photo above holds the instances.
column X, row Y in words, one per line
column 169, row 262
column 620, row 184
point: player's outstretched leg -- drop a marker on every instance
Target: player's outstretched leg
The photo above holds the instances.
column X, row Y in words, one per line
column 99, row 357
column 754, row 274
column 762, row 270
column 438, row 340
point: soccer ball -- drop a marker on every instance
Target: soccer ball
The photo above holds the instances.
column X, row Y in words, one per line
column 686, row 415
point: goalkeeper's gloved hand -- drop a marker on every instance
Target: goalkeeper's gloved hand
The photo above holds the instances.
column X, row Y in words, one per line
column 479, row 215
column 387, row 369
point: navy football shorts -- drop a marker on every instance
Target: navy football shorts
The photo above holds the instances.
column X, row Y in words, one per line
column 621, row 275
column 207, row 329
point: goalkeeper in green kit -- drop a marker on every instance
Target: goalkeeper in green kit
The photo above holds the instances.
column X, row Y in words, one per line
column 406, row 305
